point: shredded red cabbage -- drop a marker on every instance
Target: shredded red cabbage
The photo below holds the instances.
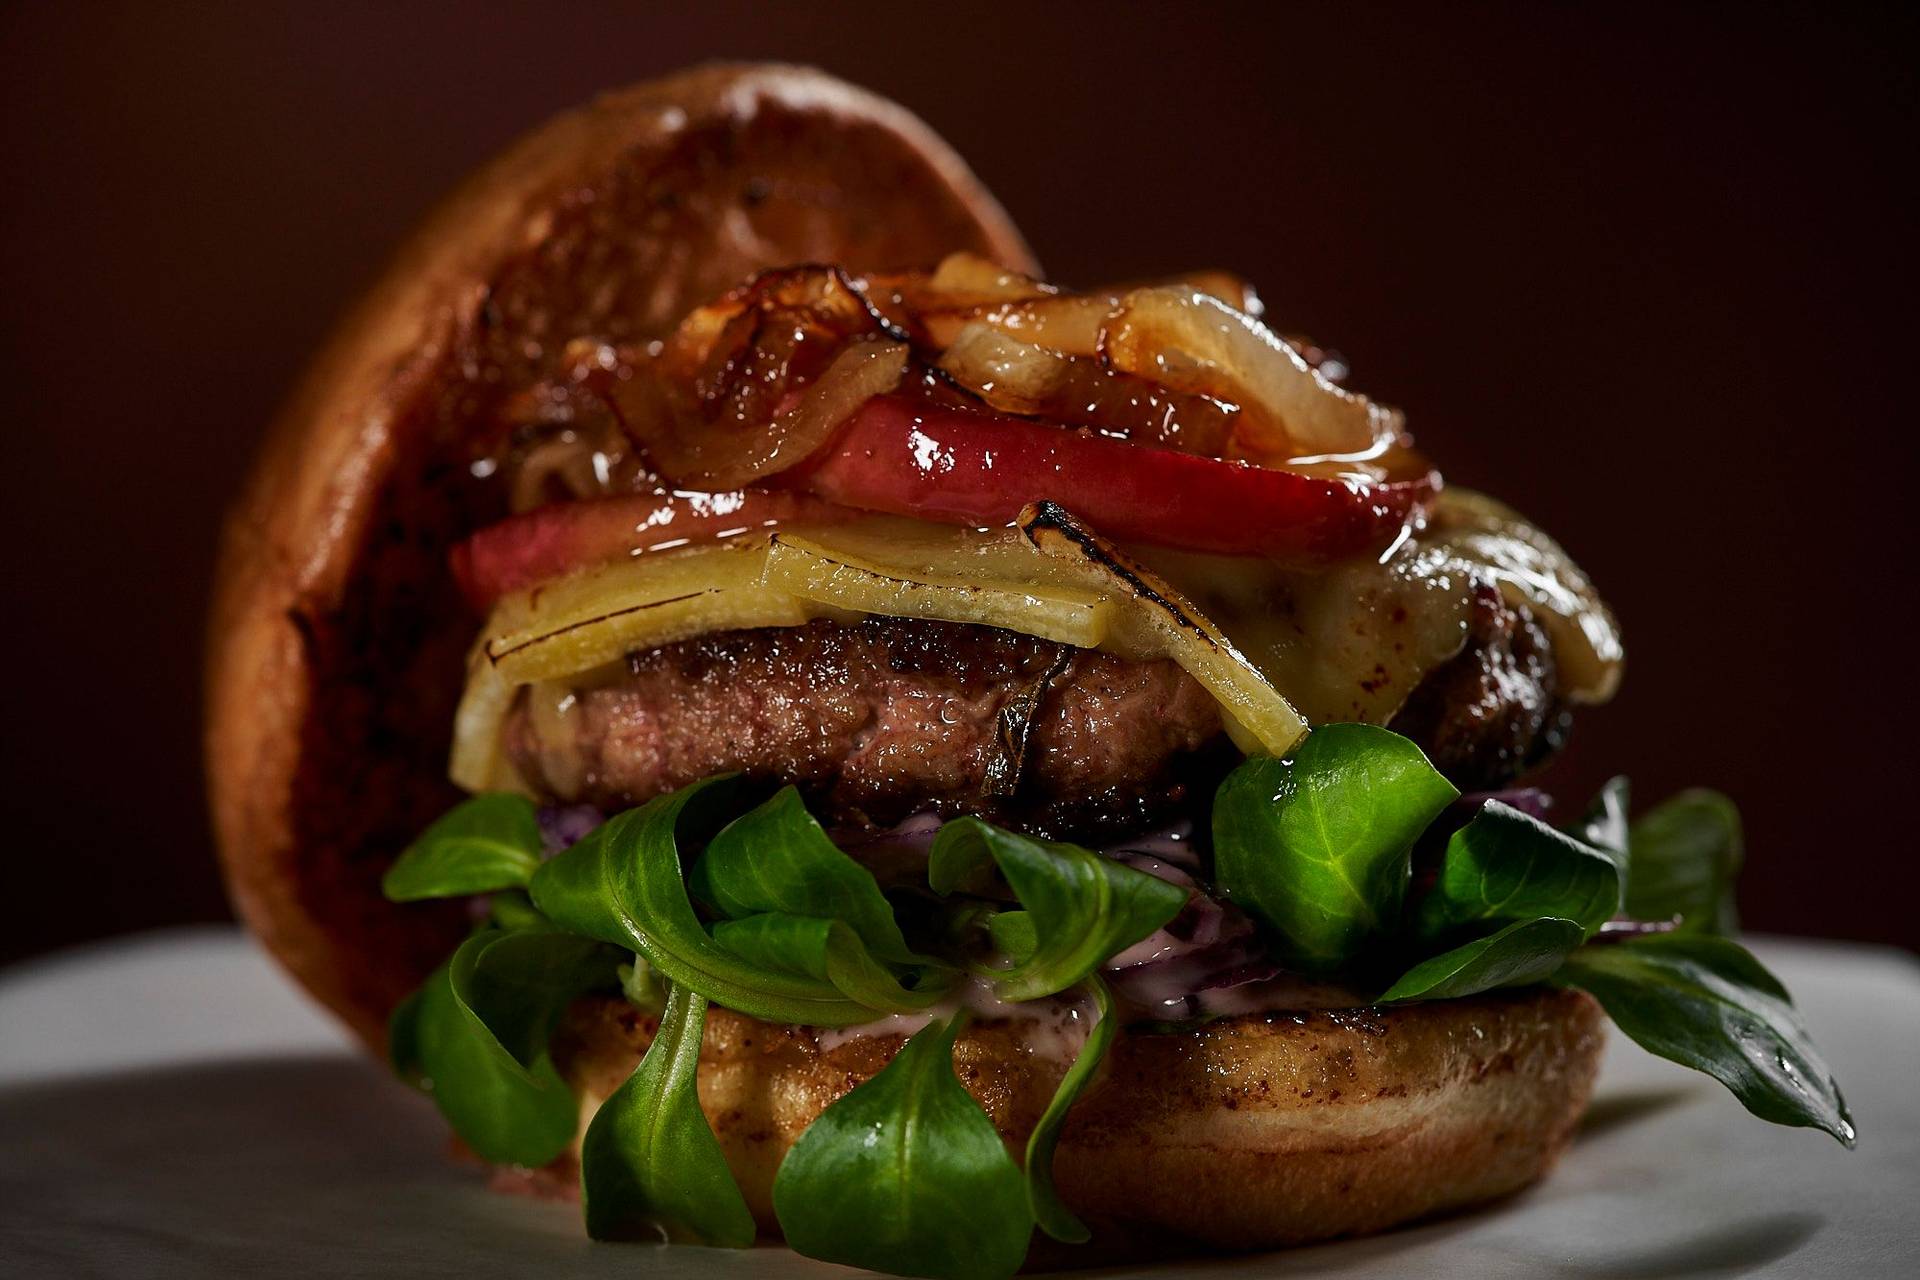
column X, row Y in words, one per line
column 564, row 825
column 912, row 836
column 1209, row 946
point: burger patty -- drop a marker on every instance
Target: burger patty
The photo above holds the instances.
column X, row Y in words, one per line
column 882, row 718
column 885, row 717
column 1494, row 710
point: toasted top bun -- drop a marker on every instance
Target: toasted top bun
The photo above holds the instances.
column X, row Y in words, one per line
column 336, row 641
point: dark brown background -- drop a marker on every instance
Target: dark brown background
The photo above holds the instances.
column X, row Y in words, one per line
column 1646, row 274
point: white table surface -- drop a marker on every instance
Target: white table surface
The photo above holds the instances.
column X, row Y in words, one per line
column 171, row 1106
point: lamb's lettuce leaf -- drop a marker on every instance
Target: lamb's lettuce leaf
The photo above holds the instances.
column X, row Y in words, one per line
column 650, row 1167
column 829, row 951
column 1686, row 854
column 711, row 897
column 625, row 884
column 1604, row 825
column 1082, row 907
column 776, row 858
column 475, row 1036
column 489, row 842
column 1318, row 847
column 907, row 1175
column 1706, row 1003
column 1507, row 867
column 1515, row 955
column 1049, row 1211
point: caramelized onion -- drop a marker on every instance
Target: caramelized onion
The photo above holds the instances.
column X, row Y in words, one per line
column 551, row 709
column 966, row 279
column 1190, row 341
column 1010, row 375
column 714, row 409
column 1037, row 381
column 568, row 465
column 1072, row 323
column 863, row 370
column 1224, row 285
column 754, row 384
column 478, row 761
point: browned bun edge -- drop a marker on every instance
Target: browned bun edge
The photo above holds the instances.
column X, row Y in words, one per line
column 335, row 640
column 1253, row 1132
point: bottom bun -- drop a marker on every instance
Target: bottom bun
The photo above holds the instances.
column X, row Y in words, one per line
column 1251, row 1132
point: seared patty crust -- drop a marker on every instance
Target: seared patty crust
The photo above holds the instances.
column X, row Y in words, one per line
column 1495, row 710
column 882, row 718
column 885, row 717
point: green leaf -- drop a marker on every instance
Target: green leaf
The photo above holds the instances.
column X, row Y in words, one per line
column 507, row 1110
column 1604, row 825
column 650, row 1165
column 624, row 884
column 777, row 859
column 642, row 986
column 1686, row 855
column 1013, row 935
column 1048, row 1209
column 907, row 1175
column 513, row 910
column 403, row 1036
column 1522, row 953
column 1083, row 908
column 1707, row 1004
column 1318, row 847
column 522, row 981
column 1507, row 866
column 830, row 951
column 487, row 843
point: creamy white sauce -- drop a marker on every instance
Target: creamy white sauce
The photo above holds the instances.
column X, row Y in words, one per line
column 1287, row 993
column 1053, row 1028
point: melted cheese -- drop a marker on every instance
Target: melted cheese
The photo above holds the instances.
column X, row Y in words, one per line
column 1281, row 648
column 1530, row 569
column 1346, row 643
column 1352, row 641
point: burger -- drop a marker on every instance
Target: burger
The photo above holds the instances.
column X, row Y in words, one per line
column 787, row 725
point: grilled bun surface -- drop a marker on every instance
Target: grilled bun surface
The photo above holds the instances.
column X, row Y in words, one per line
column 1251, row 1132
column 336, row 641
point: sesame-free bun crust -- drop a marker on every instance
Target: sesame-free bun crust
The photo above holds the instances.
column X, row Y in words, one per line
column 1248, row 1133
column 336, row 639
